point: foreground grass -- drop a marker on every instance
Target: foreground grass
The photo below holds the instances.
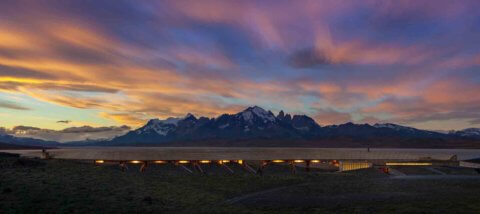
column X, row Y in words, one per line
column 56, row 186
column 66, row 186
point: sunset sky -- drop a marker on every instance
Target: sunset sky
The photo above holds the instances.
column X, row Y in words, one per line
column 113, row 62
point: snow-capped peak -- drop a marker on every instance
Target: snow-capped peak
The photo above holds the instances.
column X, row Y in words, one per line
column 161, row 127
column 248, row 114
column 385, row 125
column 473, row 130
column 170, row 120
column 393, row 126
column 469, row 132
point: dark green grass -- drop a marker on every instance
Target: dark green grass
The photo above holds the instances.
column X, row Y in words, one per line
column 68, row 186
column 56, row 186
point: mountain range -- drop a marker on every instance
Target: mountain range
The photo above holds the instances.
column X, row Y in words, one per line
column 256, row 126
column 25, row 141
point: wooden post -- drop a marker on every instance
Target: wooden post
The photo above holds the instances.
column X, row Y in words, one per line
column 292, row 167
column 228, row 168
column 262, row 166
column 45, row 154
column 123, row 166
column 186, row 169
column 197, row 167
column 144, row 166
column 307, row 165
column 183, row 167
column 249, row 168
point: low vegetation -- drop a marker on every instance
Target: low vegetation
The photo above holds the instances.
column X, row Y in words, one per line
column 57, row 186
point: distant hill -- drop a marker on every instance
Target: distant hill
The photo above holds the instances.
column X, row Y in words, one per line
column 22, row 141
column 470, row 132
column 10, row 146
column 256, row 126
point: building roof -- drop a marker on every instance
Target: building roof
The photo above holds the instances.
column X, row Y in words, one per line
column 245, row 153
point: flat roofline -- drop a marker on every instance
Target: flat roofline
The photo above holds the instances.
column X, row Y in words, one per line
column 216, row 153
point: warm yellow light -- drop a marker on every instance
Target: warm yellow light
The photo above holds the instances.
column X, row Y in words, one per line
column 99, row 161
column 298, row 161
column 347, row 165
column 135, row 161
column 223, row 161
column 315, row 161
column 205, row 161
column 240, row 161
column 183, row 161
column 278, row 161
column 160, row 161
column 408, row 164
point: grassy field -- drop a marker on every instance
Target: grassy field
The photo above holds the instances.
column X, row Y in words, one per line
column 56, row 186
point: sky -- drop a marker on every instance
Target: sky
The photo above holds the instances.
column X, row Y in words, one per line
column 108, row 63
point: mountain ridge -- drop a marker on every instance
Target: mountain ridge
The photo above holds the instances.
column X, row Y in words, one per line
column 255, row 126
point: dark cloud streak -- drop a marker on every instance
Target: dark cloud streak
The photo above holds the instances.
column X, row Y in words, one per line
column 13, row 106
column 308, row 58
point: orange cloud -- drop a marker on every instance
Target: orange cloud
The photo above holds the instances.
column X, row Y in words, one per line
column 360, row 52
column 124, row 118
column 79, row 64
column 329, row 117
column 452, row 92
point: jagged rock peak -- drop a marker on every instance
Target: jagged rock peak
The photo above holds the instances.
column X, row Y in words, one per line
column 255, row 109
column 281, row 115
column 288, row 117
column 248, row 114
column 189, row 115
column 170, row 120
column 284, row 117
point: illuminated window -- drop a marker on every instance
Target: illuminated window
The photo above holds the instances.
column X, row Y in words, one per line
column 160, row 161
column 408, row 164
column 347, row 166
column 223, row 161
